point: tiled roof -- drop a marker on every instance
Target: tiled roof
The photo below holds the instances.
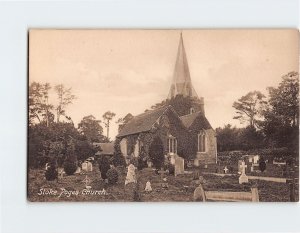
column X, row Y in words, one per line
column 106, row 148
column 142, row 122
column 189, row 119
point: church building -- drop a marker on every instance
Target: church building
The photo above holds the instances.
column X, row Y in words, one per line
column 188, row 135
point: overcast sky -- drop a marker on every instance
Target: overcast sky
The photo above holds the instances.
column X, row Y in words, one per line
column 127, row 71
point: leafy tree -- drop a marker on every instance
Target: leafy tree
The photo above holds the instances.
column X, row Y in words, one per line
column 108, row 116
column 65, row 98
column 84, row 149
column 104, row 166
column 281, row 125
column 228, row 138
column 180, row 103
column 250, row 138
column 284, row 100
column 123, row 121
column 249, row 108
column 118, row 158
column 50, row 141
column 112, row 176
column 91, row 128
column 70, row 164
column 39, row 107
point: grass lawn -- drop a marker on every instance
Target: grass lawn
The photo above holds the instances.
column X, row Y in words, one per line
column 180, row 188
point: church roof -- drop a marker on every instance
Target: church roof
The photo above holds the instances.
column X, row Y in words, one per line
column 182, row 84
column 106, row 148
column 189, row 119
column 142, row 122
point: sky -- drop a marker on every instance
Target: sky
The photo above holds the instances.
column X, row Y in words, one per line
column 128, row 71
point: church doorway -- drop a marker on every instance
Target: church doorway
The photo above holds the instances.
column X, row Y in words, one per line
column 156, row 152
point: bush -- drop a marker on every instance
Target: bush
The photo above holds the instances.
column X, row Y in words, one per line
column 42, row 160
column 104, row 166
column 171, row 169
column 70, row 165
column 112, row 176
column 51, row 173
column 156, row 153
column 262, row 164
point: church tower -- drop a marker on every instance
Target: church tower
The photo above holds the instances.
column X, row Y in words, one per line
column 182, row 83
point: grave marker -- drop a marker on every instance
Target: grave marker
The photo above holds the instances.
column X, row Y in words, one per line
column 148, row 187
column 130, row 177
column 87, row 166
column 243, row 178
column 179, row 166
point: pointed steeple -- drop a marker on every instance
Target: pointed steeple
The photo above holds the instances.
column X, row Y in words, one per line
column 182, row 84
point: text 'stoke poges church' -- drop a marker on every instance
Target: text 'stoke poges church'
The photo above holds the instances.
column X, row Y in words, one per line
column 163, row 132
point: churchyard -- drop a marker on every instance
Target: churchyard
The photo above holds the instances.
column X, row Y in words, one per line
column 88, row 185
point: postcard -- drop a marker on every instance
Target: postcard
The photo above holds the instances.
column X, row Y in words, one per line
column 163, row 115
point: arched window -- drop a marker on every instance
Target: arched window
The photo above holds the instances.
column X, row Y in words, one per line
column 201, row 141
column 172, row 144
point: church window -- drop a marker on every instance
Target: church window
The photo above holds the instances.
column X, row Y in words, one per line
column 192, row 110
column 172, row 144
column 201, row 141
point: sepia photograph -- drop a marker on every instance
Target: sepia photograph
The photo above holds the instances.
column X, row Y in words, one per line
column 193, row 115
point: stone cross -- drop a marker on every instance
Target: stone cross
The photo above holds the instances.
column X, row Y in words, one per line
column 225, row 170
column 243, row 178
column 87, row 181
column 243, row 166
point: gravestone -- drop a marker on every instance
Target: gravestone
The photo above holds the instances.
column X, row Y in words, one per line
column 196, row 162
column 148, row 187
column 173, row 158
column 78, row 170
column 87, row 181
column 179, row 166
column 243, row 178
column 130, row 177
column 61, row 172
column 87, row 166
column 225, row 170
column 239, row 166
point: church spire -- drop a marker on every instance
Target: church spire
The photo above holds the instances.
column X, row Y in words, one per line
column 182, row 84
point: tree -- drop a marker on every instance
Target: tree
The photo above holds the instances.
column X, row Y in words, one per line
column 65, row 97
column 108, row 116
column 281, row 125
column 70, row 164
column 39, row 107
column 180, row 103
column 91, row 128
column 228, row 138
column 104, row 166
column 118, row 158
column 123, row 121
column 249, row 108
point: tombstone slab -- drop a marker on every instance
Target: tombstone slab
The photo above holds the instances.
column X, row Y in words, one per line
column 130, row 177
column 148, row 187
column 179, row 166
column 87, row 166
